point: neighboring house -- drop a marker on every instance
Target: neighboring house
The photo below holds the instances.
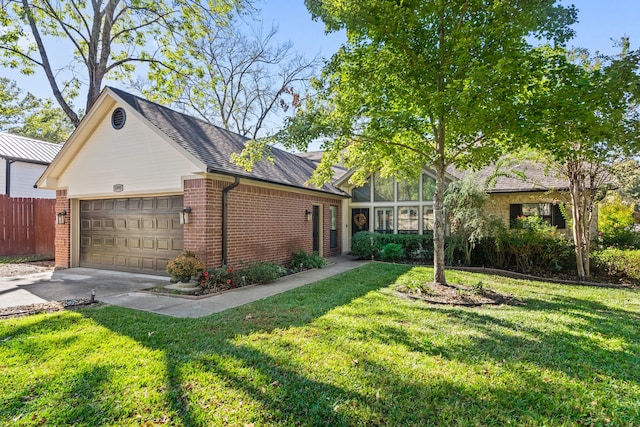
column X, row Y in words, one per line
column 139, row 183
column 22, row 161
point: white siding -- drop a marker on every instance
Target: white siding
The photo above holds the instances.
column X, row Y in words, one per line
column 3, row 176
column 134, row 156
column 23, row 177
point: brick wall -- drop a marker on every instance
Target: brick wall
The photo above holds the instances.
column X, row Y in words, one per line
column 264, row 224
column 63, row 231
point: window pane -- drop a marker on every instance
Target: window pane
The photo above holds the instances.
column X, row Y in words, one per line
column 408, row 190
column 427, row 219
column 382, row 189
column 384, row 220
column 408, row 220
column 333, row 220
column 362, row 194
column 428, row 188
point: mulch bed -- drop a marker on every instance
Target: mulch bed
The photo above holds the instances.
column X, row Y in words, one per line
column 46, row 307
column 453, row 294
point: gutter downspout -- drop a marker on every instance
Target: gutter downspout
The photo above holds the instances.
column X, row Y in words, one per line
column 7, row 180
column 225, row 191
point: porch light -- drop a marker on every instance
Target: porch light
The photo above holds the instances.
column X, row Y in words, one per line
column 184, row 215
column 307, row 214
column 60, row 217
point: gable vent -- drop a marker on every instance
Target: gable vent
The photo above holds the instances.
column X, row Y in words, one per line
column 118, row 117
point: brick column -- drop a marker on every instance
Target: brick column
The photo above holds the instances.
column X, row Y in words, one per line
column 203, row 233
column 63, row 231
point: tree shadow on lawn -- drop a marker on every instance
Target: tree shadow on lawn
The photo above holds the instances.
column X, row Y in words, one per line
column 251, row 356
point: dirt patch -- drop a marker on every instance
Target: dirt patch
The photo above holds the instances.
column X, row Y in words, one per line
column 25, row 268
column 453, row 294
column 45, row 307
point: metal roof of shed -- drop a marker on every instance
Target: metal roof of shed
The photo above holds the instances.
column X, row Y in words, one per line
column 15, row 147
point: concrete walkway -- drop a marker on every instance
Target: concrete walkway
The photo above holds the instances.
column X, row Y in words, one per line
column 125, row 289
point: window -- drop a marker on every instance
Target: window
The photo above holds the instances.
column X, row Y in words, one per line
column 427, row 219
column 408, row 220
column 408, row 191
column 428, row 188
column 333, row 227
column 551, row 213
column 383, row 220
column 362, row 194
column 382, row 189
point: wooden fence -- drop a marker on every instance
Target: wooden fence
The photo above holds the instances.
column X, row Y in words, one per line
column 27, row 226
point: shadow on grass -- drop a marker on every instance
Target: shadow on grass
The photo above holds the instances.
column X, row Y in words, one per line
column 340, row 353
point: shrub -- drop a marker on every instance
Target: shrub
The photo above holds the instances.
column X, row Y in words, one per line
column 616, row 223
column 261, row 272
column 220, row 278
column 367, row 245
column 617, row 264
column 534, row 246
column 183, row 267
column 392, row 252
column 302, row 260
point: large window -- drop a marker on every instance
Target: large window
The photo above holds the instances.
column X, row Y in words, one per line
column 427, row 219
column 408, row 220
column 383, row 220
column 428, row 188
column 551, row 213
column 408, row 191
column 382, row 188
column 333, row 227
column 362, row 194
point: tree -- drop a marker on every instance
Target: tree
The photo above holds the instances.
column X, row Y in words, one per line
column 590, row 115
column 30, row 116
column 421, row 84
column 100, row 38
column 466, row 215
column 236, row 81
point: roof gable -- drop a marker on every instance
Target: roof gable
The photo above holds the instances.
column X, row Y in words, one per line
column 214, row 146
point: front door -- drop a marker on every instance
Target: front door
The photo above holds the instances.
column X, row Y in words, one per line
column 316, row 228
column 359, row 220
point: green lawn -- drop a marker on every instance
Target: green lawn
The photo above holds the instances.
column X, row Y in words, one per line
column 344, row 351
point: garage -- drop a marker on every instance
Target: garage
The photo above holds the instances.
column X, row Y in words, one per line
column 138, row 235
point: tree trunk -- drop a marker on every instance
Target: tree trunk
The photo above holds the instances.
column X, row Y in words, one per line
column 438, row 213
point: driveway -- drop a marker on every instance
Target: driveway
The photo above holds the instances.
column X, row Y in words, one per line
column 124, row 289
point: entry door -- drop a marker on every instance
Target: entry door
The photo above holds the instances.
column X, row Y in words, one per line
column 359, row 220
column 316, row 228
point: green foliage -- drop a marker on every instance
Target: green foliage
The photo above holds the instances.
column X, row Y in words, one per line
column 467, row 217
column 617, row 265
column 532, row 247
column 107, row 38
column 261, row 272
column 183, row 267
column 220, row 279
column 31, row 117
column 423, row 84
column 367, row 245
column 616, row 223
column 392, row 252
column 301, row 260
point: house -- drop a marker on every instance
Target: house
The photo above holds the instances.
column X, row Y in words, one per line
column 137, row 183
column 22, row 161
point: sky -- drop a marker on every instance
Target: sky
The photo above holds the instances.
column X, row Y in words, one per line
column 600, row 21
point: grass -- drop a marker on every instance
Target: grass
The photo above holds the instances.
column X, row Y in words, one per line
column 11, row 259
column 344, row 351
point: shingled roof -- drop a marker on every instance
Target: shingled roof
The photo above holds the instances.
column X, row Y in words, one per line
column 213, row 146
column 15, row 147
column 520, row 177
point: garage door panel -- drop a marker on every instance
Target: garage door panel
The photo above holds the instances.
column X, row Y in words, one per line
column 138, row 234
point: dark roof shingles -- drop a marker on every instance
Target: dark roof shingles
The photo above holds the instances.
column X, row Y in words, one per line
column 213, row 146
